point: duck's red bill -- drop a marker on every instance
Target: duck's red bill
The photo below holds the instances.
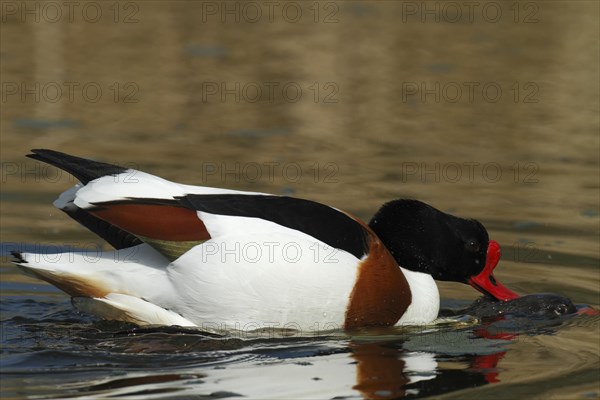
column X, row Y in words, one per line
column 485, row 282
column 587, row 310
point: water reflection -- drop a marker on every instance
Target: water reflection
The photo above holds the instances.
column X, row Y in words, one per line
column 104, row 358
column 385, row 372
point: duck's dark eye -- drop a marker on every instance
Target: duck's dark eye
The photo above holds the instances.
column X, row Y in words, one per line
column 472, row 246
column 560, row 309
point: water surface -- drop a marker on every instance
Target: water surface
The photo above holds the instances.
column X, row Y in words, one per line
column 385, row 112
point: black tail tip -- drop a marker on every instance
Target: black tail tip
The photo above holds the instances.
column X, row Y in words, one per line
column 42, row 153
column 81, row 168
column 18, row 257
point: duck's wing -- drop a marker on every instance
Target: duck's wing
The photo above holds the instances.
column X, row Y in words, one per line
column 127, row 207
column 323, row 223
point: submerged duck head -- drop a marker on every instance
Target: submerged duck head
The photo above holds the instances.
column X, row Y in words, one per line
column 542, row 305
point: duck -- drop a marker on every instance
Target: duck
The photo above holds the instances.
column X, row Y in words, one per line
column 227, row 260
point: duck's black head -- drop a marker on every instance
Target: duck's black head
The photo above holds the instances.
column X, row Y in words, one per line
column 424, row 239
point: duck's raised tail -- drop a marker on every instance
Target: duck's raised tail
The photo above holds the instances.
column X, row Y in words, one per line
column 83, row 169
column 86, row 170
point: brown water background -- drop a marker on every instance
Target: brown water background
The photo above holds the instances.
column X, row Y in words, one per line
column 489, row 110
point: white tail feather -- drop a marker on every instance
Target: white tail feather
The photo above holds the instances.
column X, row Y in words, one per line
column 121, row 307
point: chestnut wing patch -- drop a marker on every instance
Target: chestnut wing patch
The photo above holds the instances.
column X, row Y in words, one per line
column 115, row 236
column 322, row 222
column 153, row 218
column 167, row 226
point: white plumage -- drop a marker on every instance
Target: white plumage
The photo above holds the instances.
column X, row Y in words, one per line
column 247, row 273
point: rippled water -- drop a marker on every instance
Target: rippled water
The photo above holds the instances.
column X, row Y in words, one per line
column 49, row 349
column 379, row 118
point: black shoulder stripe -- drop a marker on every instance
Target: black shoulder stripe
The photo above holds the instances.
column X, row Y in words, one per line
column 138, row 200
column 315, row 219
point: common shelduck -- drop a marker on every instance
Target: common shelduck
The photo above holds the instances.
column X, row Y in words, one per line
column 222, row 259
